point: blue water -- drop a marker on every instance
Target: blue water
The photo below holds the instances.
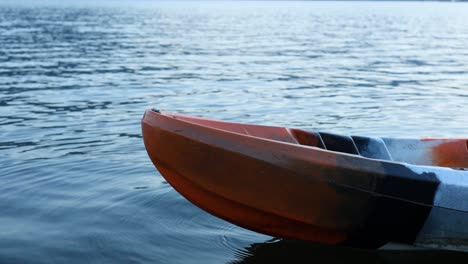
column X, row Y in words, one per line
column 76, row 185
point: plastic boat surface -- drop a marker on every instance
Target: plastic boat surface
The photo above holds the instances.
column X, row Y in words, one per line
column 322, row 187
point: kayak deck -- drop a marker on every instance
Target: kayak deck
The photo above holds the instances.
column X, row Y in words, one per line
column 426, row 151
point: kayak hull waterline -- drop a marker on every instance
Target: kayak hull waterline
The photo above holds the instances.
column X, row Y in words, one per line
column 321, row 187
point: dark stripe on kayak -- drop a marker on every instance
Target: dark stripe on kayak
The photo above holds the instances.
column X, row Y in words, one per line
column 372, row 147
column 339, row 143
column 385, row 178
column 400, row 200
column 390, row 220
column 403, row 183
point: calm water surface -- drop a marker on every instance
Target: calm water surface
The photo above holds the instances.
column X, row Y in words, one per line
column 76, row 185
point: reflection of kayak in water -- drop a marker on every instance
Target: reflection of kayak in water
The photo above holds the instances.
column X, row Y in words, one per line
column 293, row 251
column 322, row 187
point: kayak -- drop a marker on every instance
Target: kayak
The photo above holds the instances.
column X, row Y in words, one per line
column 323, row 187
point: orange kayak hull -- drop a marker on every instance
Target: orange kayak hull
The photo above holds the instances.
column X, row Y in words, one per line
column 282, row 182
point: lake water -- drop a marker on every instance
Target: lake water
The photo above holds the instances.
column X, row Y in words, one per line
column 76, row 184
